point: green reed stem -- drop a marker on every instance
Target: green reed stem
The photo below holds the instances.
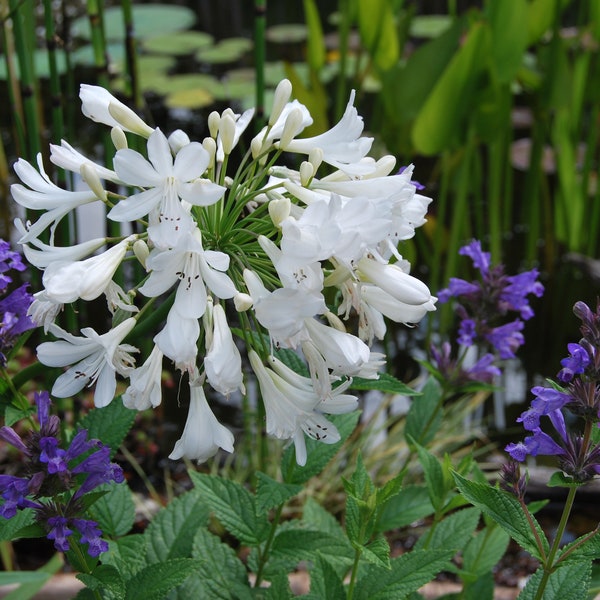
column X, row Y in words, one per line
column 343, row 34
column 23, row 31
column 133, row 81
column 260, row 25
column 56, row 100
column 98, row 42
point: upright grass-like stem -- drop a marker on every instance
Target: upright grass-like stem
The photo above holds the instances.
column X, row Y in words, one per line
column 133, row 81
column 343, row 34
column 260, row 24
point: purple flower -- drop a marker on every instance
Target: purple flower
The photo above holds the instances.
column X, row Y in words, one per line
column 575, row 364
column 59, row 532
column 481, row 260
column 457, row 287
column 52, row 455
column 484, row 369
column 90, row 535
column 99, row 470
column 8, row 260
column 467, row 332
column 14, row 491
column 506, row 338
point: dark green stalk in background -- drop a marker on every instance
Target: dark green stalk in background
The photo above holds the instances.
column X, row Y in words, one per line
column 260, row 24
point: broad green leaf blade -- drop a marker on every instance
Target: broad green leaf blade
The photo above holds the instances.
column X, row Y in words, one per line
column 385, row 383
column 480, row 588
column 319, row 454
column 454, row 532
column 114, row 511
column 434, row 476
column 105, row 578
column 9, row 528
column 409, row 505
column 171, row 532
column 377, row 27
column 377, row 552
column 484, row 551
column 440, row 123
column 315, row 54
column 317, row 518
column 234, row 506
column 219, row 566
column 31, row 581
column 110, row 424
column 271, row 493
column 505, row 510
column 325, row 583
column 127, row 554
column 155, row 581
column 279, row 588
column 425, row 415
column 568, row 582
column 408, row 573
column 541, row 17
column 586, row 547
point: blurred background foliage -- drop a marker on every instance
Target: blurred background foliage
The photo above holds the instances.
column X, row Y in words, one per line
column 495, row 102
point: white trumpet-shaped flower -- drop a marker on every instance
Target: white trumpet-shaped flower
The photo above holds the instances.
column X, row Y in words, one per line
column 342, row 145
column 67, row 157
column 42, row 194
column 203, row 435
column 223, row 363
column 291, row 410
column 178, row 339
column 67, row 281
column 95, row 359
column 144, row 389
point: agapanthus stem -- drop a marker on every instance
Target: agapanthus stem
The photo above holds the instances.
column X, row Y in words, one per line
column 549, row 565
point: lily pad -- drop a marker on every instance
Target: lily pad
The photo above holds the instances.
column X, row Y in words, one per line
column 190, row 99
column 153, row 73
column 148, row 19
column 40, row 64
column 429, row 26
column 184, row 42
column 287, row 33
column 115, row 52
column 226, row 51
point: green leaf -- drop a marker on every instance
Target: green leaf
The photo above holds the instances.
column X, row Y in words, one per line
column 171, row 532
column 115, row 510
column 271, row 493
column 318, row 519
column 377, row 27
column 13, row 414
column 408, row 573
column 410, row 504
column 385, row 383
column 377, row 552
column 110, row 424
column 234, row 506
column 583, row 548
column 434, row 477
column 484, row 551
column 425, row 415
column 325, row 583
column 559, row 479
column 185, row 42
column 440, row 123
column 31, row 581
column 279, row 588
column 219, row 566
column 127, row 554
column 453, row 532
column 505, row 510
column 483, row 587
column 319, row 454
column 315, row 53
column 10, row 528
column 569, row 582
column 540, row 18
column 155, row 581
column 105, row 578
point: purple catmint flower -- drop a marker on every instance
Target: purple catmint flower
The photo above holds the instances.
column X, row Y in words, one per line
column 514, row 295
column 467, row 332
column 574, row 364
column 52, row 455
column 481, row 259
column 15, row 491
column 59, row 532
column 506, row 339
column 90, row 535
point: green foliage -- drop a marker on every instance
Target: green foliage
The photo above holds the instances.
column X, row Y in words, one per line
column 114, row 511
column 425, row 415
column 569, row 582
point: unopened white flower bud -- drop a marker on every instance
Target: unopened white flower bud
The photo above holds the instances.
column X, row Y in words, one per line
column 128, row 119
column 307, row 171
column 119, row 139
column 335, row 321
column 384, row 166
column 90, row 176
column 210, row 146
column 227, row 133
column 315, row 157
column 177, row 140
column 242, row 302
column 213, row 123
column 283, row 91
column 279, row 209
column 256, row 147
column 293, row 126
column 141, row 251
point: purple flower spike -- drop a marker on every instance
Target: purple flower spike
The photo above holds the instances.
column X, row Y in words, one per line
column 8, row 434
column 481, row 260
column 507, row 338
column 519, row 287
column 42, row 401
column 52, row 455
column 14, row 492
column 90, row 535
column 575, row 364
column 59, row 532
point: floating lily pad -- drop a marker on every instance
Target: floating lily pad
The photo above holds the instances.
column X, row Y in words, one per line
column 85, row 56
column 148, row 20
column 183, row 42
column 190, row 99
column 429, row 26
column 226, row 51
column 153, row 72
column 40, row 64
column 287, row 33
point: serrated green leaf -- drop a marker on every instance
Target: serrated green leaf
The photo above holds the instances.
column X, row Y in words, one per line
column 559, row 479
column 127, row 555
column 484, row 551
column 271, row 493
column 569, row 582
column 155, row 581
column 171, row 532
column 583, row 548
column 279, row 588
column 377, row 552
column 481, row 588
column 408, row 573
column 105, row 578
column 9, row 528
column 357, row 517
column 409, row 505
column 434, row 476
column 319, row 454
column 318, row 519
column 110, row 424
column 385, row 383
column 325, row 583
column 505, row 510
column 453, row 532
column 425, row 410
column 115, row 510
column 234, row 506
column 12, row 414
column 218, row 565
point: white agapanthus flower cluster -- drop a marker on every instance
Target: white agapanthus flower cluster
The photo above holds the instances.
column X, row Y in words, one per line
column 295, row 252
